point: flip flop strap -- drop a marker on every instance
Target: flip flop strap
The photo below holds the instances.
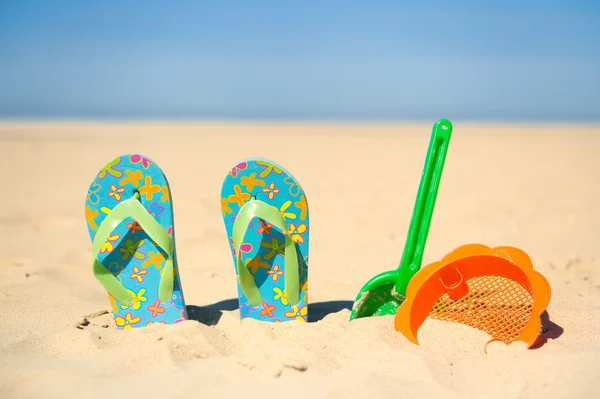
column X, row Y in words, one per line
column 132, row 208
column 259, row 209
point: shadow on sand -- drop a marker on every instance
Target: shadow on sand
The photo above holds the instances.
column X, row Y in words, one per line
column 550, row 330
column 211, row 314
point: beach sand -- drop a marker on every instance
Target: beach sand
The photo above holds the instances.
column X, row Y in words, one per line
column 531, row 186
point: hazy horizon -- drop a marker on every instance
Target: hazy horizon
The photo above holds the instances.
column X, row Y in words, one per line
column 308, row 61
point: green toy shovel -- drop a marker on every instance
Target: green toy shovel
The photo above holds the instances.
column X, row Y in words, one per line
column 384, row 293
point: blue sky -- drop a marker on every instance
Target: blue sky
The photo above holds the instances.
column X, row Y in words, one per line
column 374, row 60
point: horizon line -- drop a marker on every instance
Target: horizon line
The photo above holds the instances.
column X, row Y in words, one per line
column 285, row 121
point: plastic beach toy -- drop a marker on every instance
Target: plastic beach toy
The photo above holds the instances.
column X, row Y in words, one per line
column 494, row 290
column 385, row 292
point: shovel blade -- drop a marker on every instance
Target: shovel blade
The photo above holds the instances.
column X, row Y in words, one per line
column 378, row 297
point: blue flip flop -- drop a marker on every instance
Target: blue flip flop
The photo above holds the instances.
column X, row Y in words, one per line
column 129, row 216
column 266, row 217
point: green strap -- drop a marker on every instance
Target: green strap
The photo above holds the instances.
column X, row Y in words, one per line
column 258, row 209
column 132, row 208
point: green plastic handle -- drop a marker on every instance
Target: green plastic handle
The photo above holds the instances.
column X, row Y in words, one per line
column 424, row 205
column 270, row 214
column 134, row 209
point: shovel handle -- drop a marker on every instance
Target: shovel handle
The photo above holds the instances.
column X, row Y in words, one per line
column 424, row 204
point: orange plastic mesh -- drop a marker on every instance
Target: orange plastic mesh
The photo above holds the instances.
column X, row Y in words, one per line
column 496, row 305
column 495, row 290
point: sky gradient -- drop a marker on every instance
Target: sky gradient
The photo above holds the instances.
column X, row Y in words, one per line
column 325, row 60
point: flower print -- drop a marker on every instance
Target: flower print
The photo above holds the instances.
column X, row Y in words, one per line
column 245, row 309
column 90, row 217
column 304, row 287
column 108, row 245
column 136, row 158
column 303, row 264
column 132, row 177
column 92, row 195
column 109, row 169
column 303, row 206
column 279, row 294
column 264, row 227
column 182, row 317
column 237, row 168
column 116, row 192
column 251, row 181
column 267, row 310
column 283, row 212
column 149, row 189
column 105, row 210
column 225, row 209
column 275, row 247
column 113, row 303
column 255, row 264
column 127, row 322
column 138, row 274
column 239, row 197
column 170, row 230
column 134, row 227
column 156, row 309
column 275, row 272
column 176, row 301
column 296, row 313
column 155, row 322
column 131, row 248
column 271, row 191
column 154, row 259
column 294, row 189
column 115, row 267
column 296, row 232
column 243, row 248
column 268, row 169
column 156, row 210
column 166, row 195
column 137, row 299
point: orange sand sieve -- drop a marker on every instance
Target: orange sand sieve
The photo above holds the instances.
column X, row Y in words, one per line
column 494, row 290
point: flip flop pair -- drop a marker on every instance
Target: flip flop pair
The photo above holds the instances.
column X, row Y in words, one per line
column 129, row 214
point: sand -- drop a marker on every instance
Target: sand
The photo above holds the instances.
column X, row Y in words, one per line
column 531, row 186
